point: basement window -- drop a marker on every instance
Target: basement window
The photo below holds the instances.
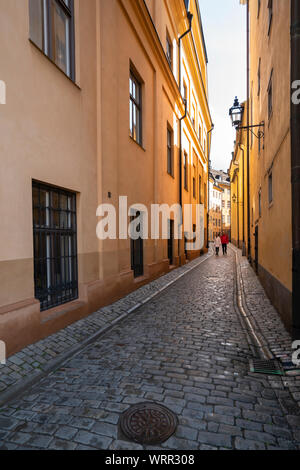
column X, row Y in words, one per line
column 55, row 245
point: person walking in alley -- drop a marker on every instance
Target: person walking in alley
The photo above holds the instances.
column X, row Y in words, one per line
column 217, row 244
column 224, row 241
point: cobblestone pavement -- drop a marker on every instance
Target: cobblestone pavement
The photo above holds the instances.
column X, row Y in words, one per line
column 37, row 358
column 186, row 349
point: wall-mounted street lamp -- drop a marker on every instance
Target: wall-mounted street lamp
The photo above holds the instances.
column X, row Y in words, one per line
column 234, row 198
column 236, row 114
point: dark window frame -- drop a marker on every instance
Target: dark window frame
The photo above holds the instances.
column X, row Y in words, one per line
column 55, row 245
column 185, row 92
column 193, row 117
column 270, row 96
column 170, row 151
column 259, row 203
column 138, row 104
column 271, row 11
column 270, row 188
column 200, row 189
column 47, row 32
column 185, row 171
column 169, row 50
column 259, row 77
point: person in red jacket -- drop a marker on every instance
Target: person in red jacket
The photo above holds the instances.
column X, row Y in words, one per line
column 224, row 241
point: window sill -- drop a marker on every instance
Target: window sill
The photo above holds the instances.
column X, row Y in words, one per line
column 139, row 145
column 55, row 65
column 171, row 175
column 140, row 279
column 271, row 204
column 60, row 310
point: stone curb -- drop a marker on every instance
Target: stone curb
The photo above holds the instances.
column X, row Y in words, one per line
column 16, row 390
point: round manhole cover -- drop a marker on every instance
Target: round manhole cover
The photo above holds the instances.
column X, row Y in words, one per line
column 148, row 423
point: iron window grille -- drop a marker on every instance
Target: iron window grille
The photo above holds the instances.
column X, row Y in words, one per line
column 51, row 29
column 135, row 105
column 55, row 245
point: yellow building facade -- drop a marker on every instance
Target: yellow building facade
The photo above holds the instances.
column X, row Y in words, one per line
column 270, row 191
column 108, row 99
column 239, row 195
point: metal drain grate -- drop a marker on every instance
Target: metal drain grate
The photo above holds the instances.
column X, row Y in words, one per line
column 271, row 367
column 148, row 423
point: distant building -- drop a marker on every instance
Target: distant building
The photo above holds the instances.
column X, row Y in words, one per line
column 219, row 204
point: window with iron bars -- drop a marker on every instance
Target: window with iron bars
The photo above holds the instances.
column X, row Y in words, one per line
column 55, row 245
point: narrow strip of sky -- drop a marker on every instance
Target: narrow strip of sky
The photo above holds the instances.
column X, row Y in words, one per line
column 224, row 25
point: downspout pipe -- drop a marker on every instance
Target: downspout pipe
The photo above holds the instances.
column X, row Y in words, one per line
column 248, row 132
column 190, row 18
column 295, row 168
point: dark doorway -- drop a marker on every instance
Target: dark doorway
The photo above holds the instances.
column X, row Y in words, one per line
column 137, row 252
column 171, row 241
column 256, row 248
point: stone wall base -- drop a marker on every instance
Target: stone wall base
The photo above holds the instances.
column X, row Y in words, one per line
column 22, row 323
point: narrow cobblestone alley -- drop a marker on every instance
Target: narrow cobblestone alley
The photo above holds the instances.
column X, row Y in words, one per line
column 185, row 349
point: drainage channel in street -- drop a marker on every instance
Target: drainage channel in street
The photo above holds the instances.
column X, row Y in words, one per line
column 264, row 361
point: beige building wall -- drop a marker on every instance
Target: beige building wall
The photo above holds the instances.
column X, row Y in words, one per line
column 76, row 136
